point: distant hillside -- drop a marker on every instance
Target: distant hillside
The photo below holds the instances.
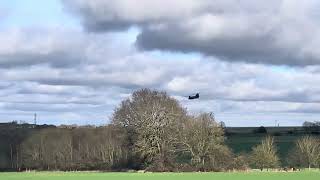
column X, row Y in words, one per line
column 242, row 139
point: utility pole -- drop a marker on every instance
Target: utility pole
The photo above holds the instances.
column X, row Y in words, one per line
column 35, row 119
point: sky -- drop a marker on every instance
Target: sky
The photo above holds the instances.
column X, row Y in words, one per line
column 254, row 63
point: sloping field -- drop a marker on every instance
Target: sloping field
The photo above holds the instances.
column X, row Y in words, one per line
column 305, row 175
column 242, row 139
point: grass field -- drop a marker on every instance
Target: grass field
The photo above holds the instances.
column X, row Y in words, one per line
column 305, row 175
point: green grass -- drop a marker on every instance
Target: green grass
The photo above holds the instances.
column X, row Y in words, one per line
column 305, row 175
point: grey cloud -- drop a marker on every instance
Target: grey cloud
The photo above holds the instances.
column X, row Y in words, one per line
column 58, row 48
column 50, row 99
column 41, row 107
column 28, row 47
column 213, row 79
column 262, row 49
column 107, row 76
column 122, row 14
column 5, row 85
column 271, row 32
column 54, row 59
column 244, row 83
column 306, row 109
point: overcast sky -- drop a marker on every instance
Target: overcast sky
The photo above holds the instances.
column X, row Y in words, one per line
column 73, row 61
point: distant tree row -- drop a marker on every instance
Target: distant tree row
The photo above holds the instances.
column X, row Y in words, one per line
column 74, row 149
column 312, row 127
column 151, row 131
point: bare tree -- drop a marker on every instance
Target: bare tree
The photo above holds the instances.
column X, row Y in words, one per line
column 151, row 120
column 203, row 138
column 240, row 162
column 307, row 151
column 265, row 154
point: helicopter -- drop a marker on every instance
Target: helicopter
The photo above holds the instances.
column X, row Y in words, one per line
column 197, row 96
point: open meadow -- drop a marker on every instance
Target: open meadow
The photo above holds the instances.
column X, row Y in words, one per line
column 305, row 175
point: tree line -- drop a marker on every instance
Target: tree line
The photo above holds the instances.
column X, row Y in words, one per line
column 152, row 131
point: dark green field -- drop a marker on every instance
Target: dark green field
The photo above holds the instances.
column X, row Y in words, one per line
column 305, row 175
column 242, row 139
column 244, row 143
